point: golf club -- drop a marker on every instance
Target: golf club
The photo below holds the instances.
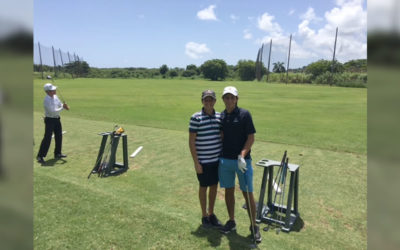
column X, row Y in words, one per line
column 102, row 161
column 283, row 181
column 254, row 245
column 58, row 89
column 277, row 181
column 104, row 164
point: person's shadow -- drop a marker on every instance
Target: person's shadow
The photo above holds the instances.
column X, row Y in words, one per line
column 52, row 162
column 212, row 234
column 237, row 241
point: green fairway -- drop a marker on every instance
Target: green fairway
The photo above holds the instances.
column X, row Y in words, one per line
column 155, row 204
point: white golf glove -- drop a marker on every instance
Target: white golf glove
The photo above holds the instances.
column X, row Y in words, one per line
column 242, row 164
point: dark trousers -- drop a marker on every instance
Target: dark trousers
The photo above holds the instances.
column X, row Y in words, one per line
column 51, row 125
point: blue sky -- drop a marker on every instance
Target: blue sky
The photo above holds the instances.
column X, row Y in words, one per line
column 150, row 33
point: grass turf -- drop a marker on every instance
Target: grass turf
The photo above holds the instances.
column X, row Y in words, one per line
column 155, row 204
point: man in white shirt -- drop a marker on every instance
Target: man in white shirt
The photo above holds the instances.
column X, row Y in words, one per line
column 52, row 109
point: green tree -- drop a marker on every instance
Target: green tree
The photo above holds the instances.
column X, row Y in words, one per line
column 359, row 65
column 194, row 68
column 189, row 73
column 163, row 70
column 278, row 67
column 322, row 66
column 215, row 69
column 78, row 68
column 246, row 70
column 173, row 73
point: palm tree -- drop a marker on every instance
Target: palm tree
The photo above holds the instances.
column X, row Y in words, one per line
column 278, row 67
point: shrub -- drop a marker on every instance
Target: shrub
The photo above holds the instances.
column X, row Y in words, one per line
column 189, row 73
column 328, row 78
column 246, row 70
column 215, row 69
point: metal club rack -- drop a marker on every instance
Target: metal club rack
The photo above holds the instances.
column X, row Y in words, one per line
column 265, row 212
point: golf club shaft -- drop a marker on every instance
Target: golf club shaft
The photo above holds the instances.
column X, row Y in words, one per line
column 278, row 176
column 61, row 97
column 283, row 190
column 58, row 89
column 249, row 206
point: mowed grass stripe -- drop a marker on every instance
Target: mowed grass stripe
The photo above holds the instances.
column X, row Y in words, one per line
column 316, row 116
column 160, row 189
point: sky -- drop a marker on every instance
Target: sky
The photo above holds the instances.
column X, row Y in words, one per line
column 123, row 33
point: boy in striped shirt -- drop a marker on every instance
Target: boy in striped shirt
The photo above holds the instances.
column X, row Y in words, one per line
column 205, row 146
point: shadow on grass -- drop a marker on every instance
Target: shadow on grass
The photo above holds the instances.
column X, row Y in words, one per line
column 236, row 241
column 52, row 162
column 297, row 226
column 213, row 236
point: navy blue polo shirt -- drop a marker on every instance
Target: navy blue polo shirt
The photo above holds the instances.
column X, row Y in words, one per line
column 236, row 127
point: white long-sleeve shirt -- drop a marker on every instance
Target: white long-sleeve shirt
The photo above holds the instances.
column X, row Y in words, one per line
column 52, row 106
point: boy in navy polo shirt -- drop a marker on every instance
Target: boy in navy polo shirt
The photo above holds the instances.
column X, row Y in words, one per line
column 205, row 146
column 238, row 137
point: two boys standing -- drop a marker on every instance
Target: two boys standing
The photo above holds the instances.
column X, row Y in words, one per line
column 220, row 144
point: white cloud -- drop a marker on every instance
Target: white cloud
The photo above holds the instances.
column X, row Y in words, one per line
column 196, row 50
column 349, row 17
column 311, row 43
column 309, row 15
column 291, row 12
column 280, row 42
column 351, row 20
column 207, row 13
column 265, row 22
column 304, row 30
column 247, row 34
column 234, row 18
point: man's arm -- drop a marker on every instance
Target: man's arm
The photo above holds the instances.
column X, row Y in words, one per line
column 193, row 151
column 247, row 145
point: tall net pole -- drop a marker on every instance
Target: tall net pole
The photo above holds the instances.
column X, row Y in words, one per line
column 269, row 58
column 40, row 56
column 258, row 65
column 261, row 61
column 54, row 60
column 62, row 62
column 334, row 52
column 288, row 60
column 69, row 59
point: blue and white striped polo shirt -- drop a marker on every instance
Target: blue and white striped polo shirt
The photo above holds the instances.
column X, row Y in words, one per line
column 208, row 135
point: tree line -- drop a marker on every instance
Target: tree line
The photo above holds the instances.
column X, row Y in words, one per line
column 322, row 72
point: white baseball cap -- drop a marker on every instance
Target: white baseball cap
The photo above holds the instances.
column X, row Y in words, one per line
column 230, row 90
column 49, row 87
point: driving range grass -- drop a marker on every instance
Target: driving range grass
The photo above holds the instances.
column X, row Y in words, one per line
column 155, row 203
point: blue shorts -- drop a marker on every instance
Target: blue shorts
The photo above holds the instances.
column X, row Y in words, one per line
column 227, row 171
